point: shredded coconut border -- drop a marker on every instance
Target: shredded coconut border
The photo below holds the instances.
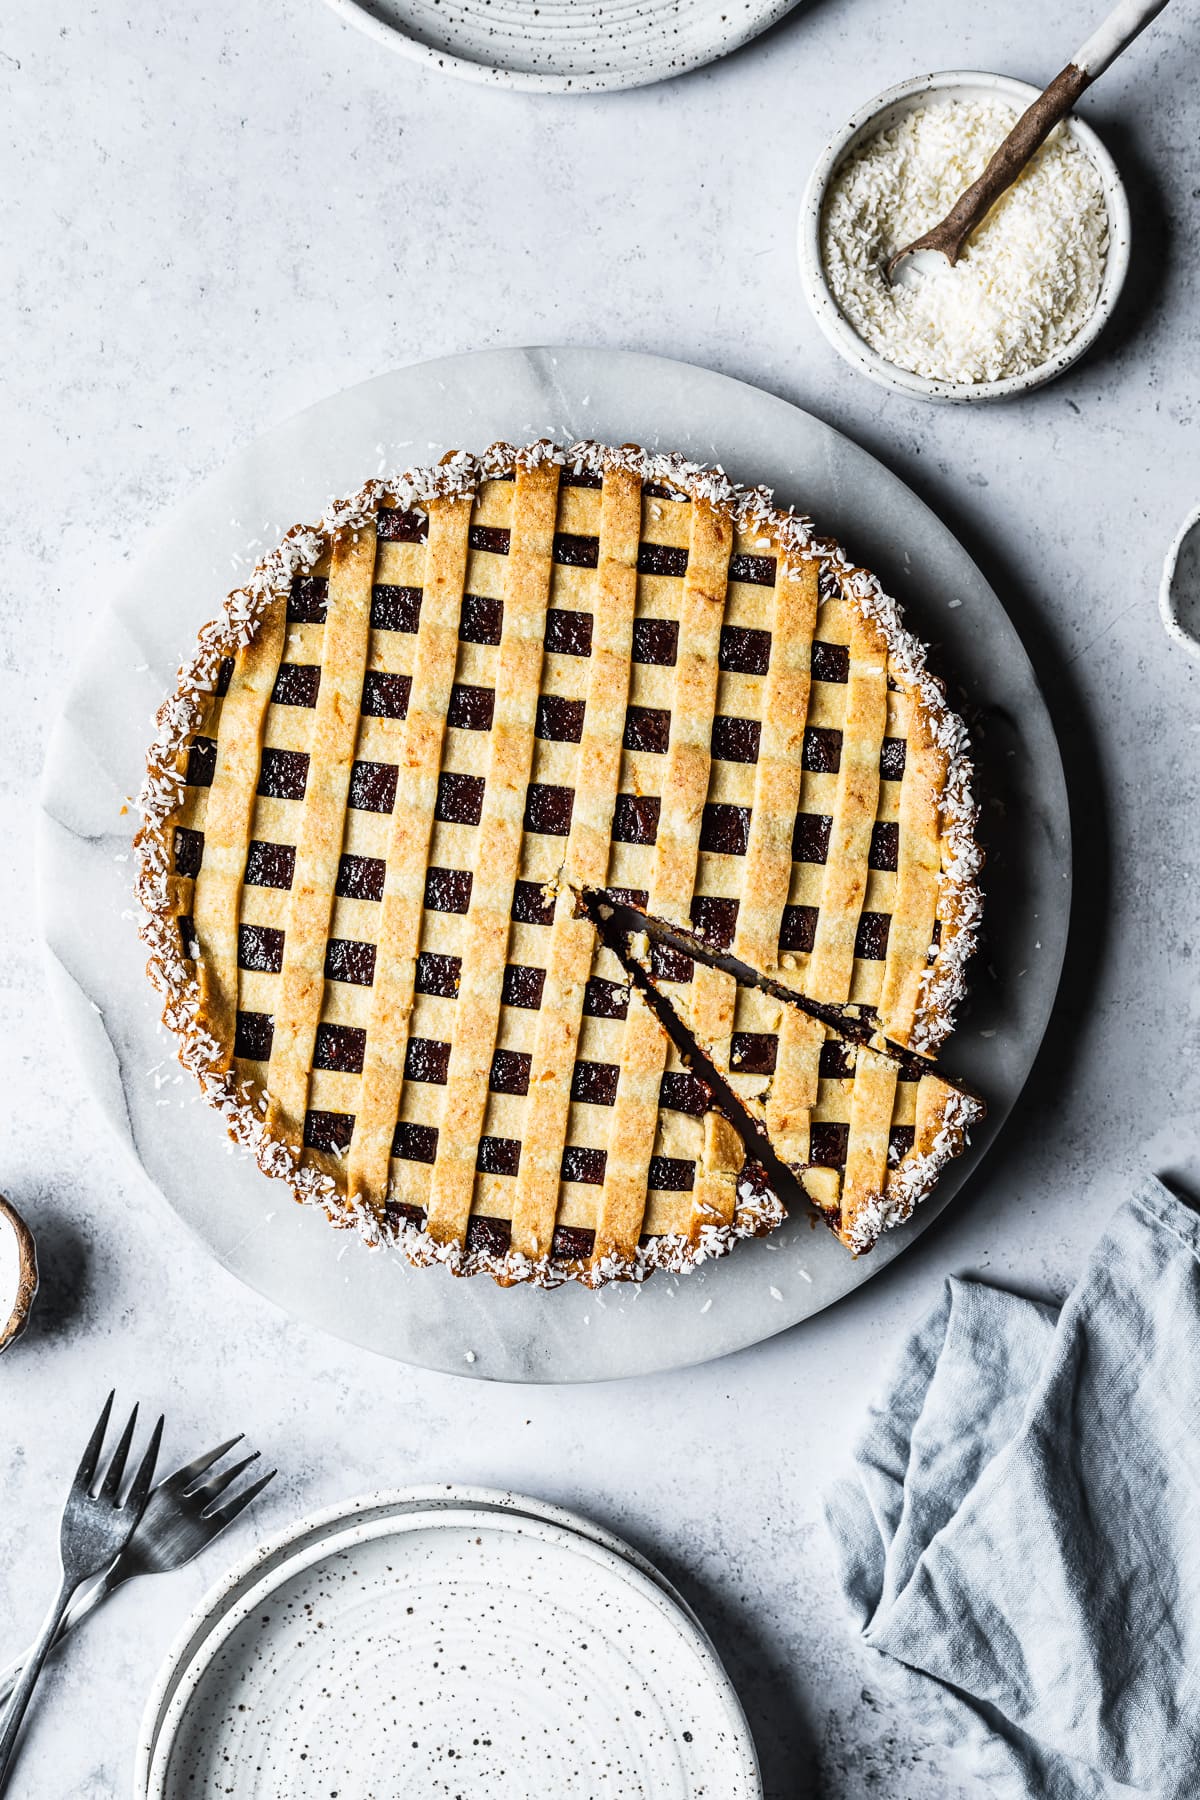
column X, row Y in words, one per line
column 181, row 715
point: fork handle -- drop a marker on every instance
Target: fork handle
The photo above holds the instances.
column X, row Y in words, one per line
column 75, row 1615
column 28, row 1678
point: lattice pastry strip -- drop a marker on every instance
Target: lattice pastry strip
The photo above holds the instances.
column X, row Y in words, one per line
column 425, row 728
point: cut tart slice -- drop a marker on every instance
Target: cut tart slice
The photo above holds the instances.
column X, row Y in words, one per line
column 469, row 693
column 864, row 1131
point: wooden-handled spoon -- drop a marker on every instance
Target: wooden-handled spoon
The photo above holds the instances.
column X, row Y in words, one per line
column 1031, row 130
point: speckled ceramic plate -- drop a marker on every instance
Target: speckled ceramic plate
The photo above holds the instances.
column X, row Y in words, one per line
column 450, row 1652
column 274, row 1552
column 563, row 46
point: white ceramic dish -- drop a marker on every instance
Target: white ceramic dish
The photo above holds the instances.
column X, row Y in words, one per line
column 96, row 757
column 880, row 114
column 317, row 1527
column 1179, row 590
column 505, row 1652
column 562, row 46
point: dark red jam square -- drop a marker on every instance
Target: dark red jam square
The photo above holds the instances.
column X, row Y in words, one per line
column 385, row 696
column 559, row 721
column 725, row 829
column 415, row 1143
column 396, row 527
column 459, row 799
column 754, row 1052
column 822, row 754
column 471, row 708
column 830, row 662
column 810, row 839
column 715, row 918
column 647, row 728
column 836, row 1061
column 656, row 641
column 605, row 999
column 671, row 1174
column 348, row 960
column 296, row 684
column 548, row 809
column 201, row 762
column 373, row 787
column 575, row 551
column 224, row 676
column 438, row 974
column 308, row 600
column 744, row 650
column 885, row 845
column 283, row 774
column 270, row 865
column 510, row 1072
column 523, row 987
column 568, row 633
column 669, row 964
column 361, row 878
column 426, row 1059
column 481, row 620
column 901, row 1139
column 532, row 905
column 395, row 608
column 582, row 1164
column 662, row 559
column 253, row 1032
column 735, row 740
column 492, row 538
column 487, row 1236
column 635, row 818
column 329, row 1131
column 498, row 1156
column 572, row 1243
column 872, row 940
column 636, row 898
column 798, row 930
column 892, row 758
column 189, row 848
column 757, row 569
column 260, row 949
column 340, row 1047
column 828, row 1144
column 685, row 1093
column 448, row 890
column 595, row 1083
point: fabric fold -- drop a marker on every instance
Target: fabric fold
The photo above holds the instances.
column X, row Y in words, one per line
column 1020, row 1540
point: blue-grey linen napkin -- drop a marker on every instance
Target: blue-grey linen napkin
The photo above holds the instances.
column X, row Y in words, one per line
column 1021, row 1538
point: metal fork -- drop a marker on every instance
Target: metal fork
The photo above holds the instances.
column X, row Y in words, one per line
column 95, row 1529
column 181, row 1518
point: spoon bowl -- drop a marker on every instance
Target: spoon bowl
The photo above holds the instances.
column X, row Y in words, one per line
column 880, row 114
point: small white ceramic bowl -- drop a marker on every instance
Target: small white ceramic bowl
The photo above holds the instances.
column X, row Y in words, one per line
column 880, row 114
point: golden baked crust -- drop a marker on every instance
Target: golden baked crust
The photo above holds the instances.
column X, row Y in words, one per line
column 424, row 729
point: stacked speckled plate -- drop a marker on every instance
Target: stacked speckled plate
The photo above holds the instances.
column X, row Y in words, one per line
column 431, row 1641
column 563, row 46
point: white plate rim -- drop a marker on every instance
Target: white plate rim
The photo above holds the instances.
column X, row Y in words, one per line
column 314, row 1527
column 759, row 18
column 618, row 1566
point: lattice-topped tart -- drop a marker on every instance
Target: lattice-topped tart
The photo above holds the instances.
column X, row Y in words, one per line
column 421, row 756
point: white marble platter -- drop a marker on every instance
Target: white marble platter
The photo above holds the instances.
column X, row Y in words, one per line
column 432, row 1651
column 563, row 46
column 110, row 1014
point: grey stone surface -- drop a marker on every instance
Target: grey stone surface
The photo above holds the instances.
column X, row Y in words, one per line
column 214, row 214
